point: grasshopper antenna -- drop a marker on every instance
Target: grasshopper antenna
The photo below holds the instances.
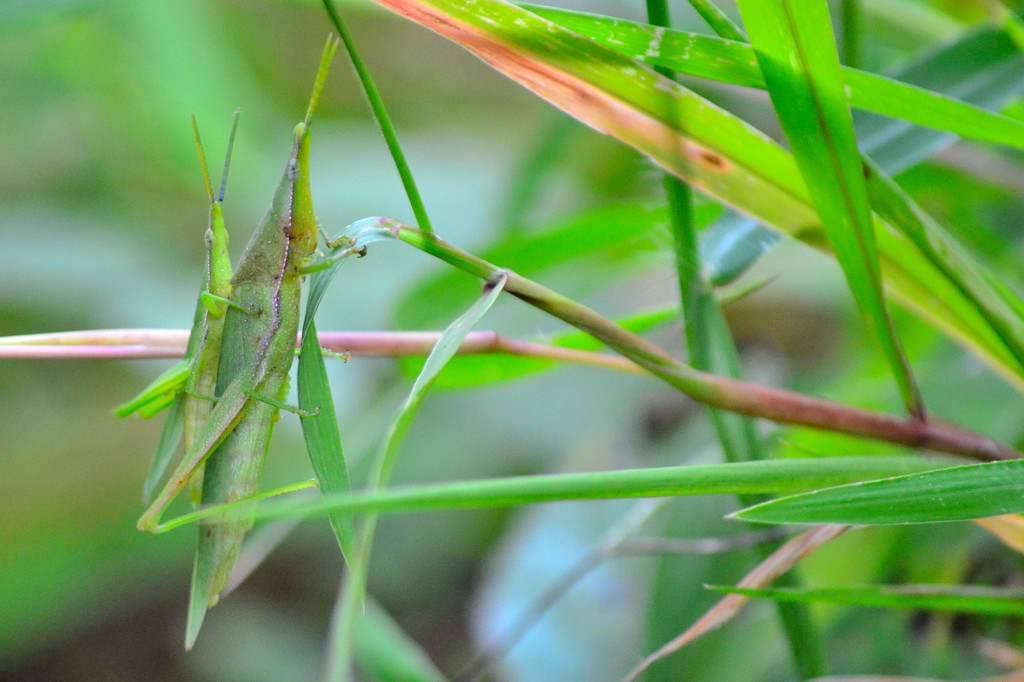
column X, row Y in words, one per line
column 321, row 76
column 227, row 157
column 202, row 157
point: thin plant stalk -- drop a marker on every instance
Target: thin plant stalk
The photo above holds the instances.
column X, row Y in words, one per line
column 380, row 113
column 718, row 20
column 136, row 344
column 741, row 397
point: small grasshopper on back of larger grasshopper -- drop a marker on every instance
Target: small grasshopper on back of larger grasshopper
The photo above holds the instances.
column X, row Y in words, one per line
column 256, row 352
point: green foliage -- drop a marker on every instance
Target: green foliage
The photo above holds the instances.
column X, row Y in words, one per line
column 103, row 205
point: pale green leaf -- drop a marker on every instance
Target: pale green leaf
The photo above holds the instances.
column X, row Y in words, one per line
column 976, row 599
column 957, row 494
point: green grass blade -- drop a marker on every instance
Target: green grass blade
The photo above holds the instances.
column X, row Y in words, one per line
column 994, row 302
column 982, row 68
column 732, row 62
column 957, row 494
column 977, row 600
column 353, row 592
column 322, row 437
column 852, row 28
column 445, row 349
column 797, row 54
column 732, row 245
column 323, row 440
column 170, row 436
column 763, row 477
column 712, row 349
column 709, row 342
column 475, row 371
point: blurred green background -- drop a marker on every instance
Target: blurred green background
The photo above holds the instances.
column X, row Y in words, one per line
column 103, row 209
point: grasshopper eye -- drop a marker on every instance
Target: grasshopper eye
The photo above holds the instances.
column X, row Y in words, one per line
column 292, row 170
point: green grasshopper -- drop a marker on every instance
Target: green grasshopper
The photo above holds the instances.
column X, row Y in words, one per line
column 186, row 387
column 257, row 349
column 210, row 316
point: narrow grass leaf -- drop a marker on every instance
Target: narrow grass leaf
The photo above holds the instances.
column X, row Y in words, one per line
column 718, row 20
column 731, row 245
column 170, row 436
column 347, row 610
column 445, row 349
column 1001, row 310
column 797, row 55
column 709, row 342
column 475, row 371
column 981, row 67
column 956, row 494
column 733, row 62
column 711, row 348
column 323, row 440
column 978, row 600
column 781, row 476
column 321, row 434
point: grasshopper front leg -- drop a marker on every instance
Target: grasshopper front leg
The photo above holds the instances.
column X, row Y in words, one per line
column 222, row 420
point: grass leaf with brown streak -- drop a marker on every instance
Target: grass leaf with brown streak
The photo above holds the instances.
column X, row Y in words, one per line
column 714, row 151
